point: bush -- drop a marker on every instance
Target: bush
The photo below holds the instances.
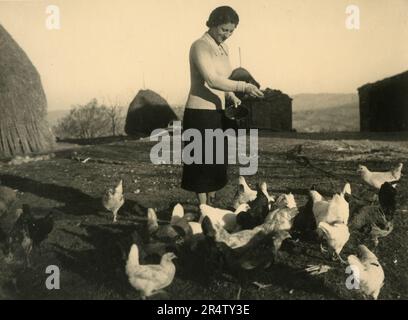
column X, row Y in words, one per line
column 90, row 121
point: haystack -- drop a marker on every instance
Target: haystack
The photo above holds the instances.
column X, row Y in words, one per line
column 148, row 111
column 23, row 105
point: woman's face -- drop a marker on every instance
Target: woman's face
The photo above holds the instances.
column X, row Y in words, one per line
column 222, row 32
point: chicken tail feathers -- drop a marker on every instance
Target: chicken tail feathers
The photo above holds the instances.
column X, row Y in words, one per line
column 133, row 258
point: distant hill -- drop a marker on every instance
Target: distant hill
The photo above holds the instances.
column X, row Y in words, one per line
column 325, row 112
column 312, row 112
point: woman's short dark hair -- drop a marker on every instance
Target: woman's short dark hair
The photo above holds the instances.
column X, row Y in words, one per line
column 222, row 15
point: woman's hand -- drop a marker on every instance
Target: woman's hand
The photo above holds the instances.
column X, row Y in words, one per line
column 235, row 100
column 253, row 91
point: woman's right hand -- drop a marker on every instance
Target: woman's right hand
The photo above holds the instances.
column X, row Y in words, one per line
column 253, row 91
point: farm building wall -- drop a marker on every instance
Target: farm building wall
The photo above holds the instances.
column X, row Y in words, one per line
column 384, row 104
column 273, row 112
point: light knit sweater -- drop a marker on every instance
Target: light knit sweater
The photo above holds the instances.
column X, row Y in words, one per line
column 210, row 68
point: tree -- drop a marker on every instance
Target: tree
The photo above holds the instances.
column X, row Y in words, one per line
column 85, row 122
column 114, row 112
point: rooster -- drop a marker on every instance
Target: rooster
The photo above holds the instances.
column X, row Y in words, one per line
column 113, row 200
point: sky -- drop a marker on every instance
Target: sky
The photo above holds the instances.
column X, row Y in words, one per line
column 110, row 49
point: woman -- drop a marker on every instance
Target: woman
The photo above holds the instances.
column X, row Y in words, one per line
column 209, row 71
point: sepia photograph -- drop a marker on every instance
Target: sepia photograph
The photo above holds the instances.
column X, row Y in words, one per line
column 190, row 150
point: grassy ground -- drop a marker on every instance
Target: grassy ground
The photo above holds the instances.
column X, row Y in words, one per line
column 84, row 242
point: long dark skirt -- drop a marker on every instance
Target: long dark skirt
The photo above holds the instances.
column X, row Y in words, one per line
column 203, row 178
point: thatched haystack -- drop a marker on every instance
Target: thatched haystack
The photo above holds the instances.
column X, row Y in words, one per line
column 23, row 105
column 384, row 104
column 148, row 111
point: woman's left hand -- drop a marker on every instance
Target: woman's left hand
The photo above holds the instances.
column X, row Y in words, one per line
column 235, row 100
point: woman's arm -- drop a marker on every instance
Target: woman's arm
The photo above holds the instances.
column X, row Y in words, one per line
column 201, row 55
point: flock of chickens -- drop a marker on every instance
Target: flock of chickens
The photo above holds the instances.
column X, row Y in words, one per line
column 247, row 237
column 250, row 235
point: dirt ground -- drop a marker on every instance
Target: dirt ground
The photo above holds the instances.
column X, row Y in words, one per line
column 84, row 241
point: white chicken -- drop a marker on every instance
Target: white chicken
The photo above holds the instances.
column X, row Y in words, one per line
column 285, row 201
column 113, row 200
column 234, row 240
column 245, row 194
column 225, row 218
column 178, row 218
column 150, row 279
column 336, row 235
column 376, row 179
column 331, row 211
column 371, row 273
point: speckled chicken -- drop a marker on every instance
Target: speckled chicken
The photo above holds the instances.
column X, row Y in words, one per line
column 113, row 200
column 150, row 279
column 281, row 219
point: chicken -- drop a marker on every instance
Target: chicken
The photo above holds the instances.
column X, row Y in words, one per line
column 259, row 209
column 281, row 219
column 26, row 233
column 150, row 279
column 371, row 274
column 184, row 221
column 225, row 218
column 336, row 235
column 39, row 228
column 265, row 251
column 177, row 214
column 166, row 232
column 285, row 201
column 377, row 221
column 245, row 194
column 334, row 210
column 387, row 197
column 113, row 200
column 377, row 179
column 305, row 222
column 232, row 240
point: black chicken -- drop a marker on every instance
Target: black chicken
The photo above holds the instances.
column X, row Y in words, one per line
column 27, row 232
column 257, row 213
